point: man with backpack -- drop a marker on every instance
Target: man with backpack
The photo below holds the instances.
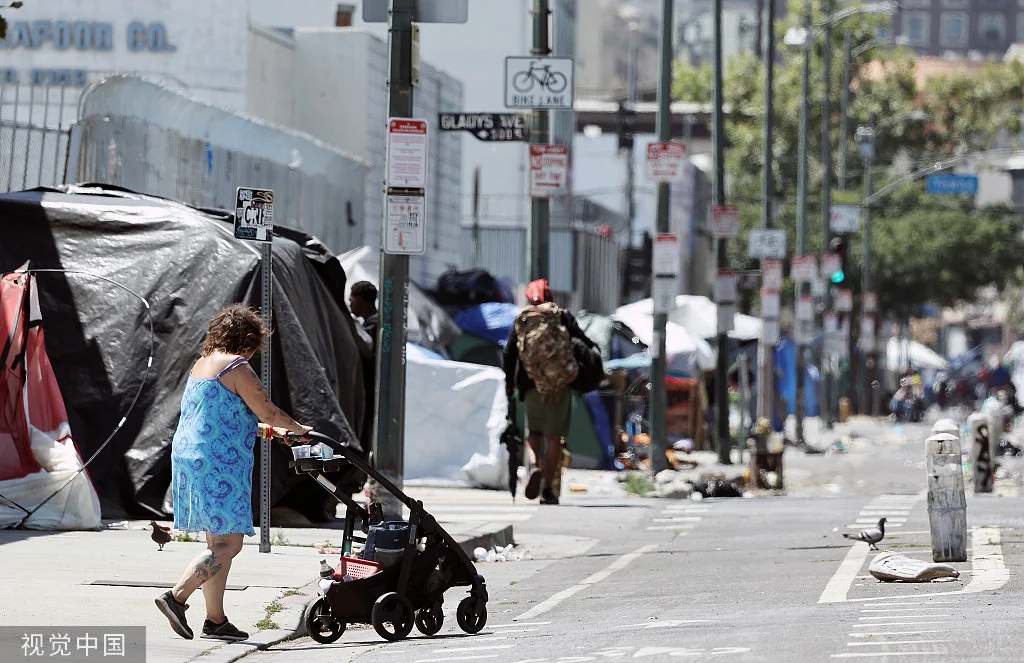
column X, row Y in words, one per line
column 541, row 362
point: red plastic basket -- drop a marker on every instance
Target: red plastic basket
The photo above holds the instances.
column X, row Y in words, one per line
column 356, row 568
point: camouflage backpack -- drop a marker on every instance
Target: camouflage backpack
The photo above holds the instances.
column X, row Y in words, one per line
column 545, row 348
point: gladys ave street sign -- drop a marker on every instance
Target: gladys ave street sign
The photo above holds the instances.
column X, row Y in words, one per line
column 489, row 127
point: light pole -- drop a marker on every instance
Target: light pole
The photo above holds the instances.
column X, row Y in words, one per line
column 849, row 53
column 766, row 356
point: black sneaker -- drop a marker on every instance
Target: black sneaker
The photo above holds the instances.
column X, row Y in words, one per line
column 549, row 498
column 225, row 631
column 533, row 484
column 175, row 614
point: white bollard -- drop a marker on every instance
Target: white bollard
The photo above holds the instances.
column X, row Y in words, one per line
column 946, row 426
column 947, row 505
column 982, row 451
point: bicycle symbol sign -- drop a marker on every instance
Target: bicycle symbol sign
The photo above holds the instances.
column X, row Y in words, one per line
column 532, row 82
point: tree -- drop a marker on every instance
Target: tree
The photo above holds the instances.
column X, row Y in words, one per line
column 3, row 21
column 925, row 250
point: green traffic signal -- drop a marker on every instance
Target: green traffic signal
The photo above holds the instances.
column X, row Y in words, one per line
column 838, row 277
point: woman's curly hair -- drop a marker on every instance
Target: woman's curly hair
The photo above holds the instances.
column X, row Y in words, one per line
column 237, row 330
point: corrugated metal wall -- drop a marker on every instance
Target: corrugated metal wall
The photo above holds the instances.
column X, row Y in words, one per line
column 146, row 137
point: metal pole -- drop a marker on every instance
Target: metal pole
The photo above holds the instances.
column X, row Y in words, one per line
column 766, row 353
column 266, row 355
column 844, row 131
column 658, row 398
column 801, row 215
column 827, row 358
column 476, row 217
column 389, row 427
column 630, row 167
column 717, row 130
column 538, row 236
column 866, row 284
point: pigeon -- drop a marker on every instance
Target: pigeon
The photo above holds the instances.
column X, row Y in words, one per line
column 161, row 534
column 870, row 536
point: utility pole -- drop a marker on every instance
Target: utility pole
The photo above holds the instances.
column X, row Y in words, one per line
column 627, row 130
column 867, row 140
column 801, row 217
column 828, row 362
column 844, row 130
column 766, row 356
column 389, row 428
column 722, row 369
column 658, row 397
column 759, row 43
column 539, row 233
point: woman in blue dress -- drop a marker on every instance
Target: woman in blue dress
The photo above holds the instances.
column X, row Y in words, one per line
column 212, row 462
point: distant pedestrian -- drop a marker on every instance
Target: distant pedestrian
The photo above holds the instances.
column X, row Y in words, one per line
column 212, row 462
column 539, row 361
column 362, row 301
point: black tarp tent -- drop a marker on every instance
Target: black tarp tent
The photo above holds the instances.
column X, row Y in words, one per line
column 187, row 264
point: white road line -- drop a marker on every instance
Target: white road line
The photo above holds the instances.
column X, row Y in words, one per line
column 671, row 623
column 911, row 603
column 669, row 528
column 456, row 658
column 891, row 642
column 874, row 521
column 678, row 519
column 839, row 585
column 865, row 634
column 465, row 649
column 876, row 654
column 876, row 625
column 617, row 565
column 517, row 625
column 909, row 609
column 877, row 617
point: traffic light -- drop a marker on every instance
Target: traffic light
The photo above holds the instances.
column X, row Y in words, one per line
column 625, row 121
column 839, row 247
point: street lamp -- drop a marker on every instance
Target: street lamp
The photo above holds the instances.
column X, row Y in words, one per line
column 849, row 54
column 866, row 136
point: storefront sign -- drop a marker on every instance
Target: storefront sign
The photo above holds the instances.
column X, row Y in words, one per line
column 65, row 35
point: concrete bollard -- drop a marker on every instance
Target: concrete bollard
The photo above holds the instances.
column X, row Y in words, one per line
column 947, row 426
column 982, row 451
column 947, row 505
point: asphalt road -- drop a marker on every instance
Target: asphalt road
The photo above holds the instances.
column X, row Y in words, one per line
column 767, row 579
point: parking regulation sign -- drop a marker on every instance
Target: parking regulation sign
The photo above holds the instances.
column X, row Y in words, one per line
column 549, row 170
column 254, row 214
column 665, row 161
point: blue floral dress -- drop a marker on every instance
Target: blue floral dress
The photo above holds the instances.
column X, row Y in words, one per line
column 212, row 459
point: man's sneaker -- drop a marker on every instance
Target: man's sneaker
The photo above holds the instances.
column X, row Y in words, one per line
column 549, row 498
column 175, row 614
column 533, row 484
column 225, row 631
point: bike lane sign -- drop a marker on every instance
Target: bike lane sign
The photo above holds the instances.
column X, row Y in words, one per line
column 539, row 82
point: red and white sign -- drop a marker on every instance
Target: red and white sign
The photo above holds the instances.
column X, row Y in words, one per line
column 804, row 268
column 665, row 162
column 407, row 153
column 549, row 170
column 769, row 303
column 667, row 260
column 805, row 308
column 771, row 274
column 844, row 301
column 725, row 290
column 725, row 221
column 831, row 264
column 870, row 302
column 867, row 326
column 831, row 323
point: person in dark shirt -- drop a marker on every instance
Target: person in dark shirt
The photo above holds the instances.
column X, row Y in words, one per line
column 362, row 301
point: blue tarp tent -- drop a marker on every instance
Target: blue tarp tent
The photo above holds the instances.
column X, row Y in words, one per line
column 491, row 320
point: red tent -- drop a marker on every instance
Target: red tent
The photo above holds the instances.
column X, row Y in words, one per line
column 41, row 470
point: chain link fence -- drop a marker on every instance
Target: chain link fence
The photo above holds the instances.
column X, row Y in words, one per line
column 144, row 136
column 34, row 136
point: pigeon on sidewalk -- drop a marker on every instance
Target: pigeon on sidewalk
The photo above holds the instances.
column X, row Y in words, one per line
column 870, row 536
column 161, row 534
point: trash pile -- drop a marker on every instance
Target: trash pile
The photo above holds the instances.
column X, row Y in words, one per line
column 506, row 554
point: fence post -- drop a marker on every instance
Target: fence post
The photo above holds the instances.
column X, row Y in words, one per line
column 983, row 451
column 947, row 505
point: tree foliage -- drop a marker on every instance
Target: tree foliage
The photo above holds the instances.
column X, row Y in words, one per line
column 925, row 248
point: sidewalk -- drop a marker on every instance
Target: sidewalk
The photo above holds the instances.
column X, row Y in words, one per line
column 111, row 577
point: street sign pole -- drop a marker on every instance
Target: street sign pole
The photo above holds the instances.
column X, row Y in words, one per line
column 389, row 427
column 769, row 326
column 254, row 221
column 718, row 143
column 538, row 236
column 658, row 397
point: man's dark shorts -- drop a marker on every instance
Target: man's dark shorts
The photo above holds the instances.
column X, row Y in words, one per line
column 551, row 414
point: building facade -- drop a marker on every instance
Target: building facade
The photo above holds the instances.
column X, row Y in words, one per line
column 960, row 28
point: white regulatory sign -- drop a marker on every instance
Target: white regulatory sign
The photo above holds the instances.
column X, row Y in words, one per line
column 407, row 153
column 870, row 302
column 725, row 287
column 406, row 232
column 805, row 309
column 772, row 270
column 830, row 264
column 766, row 244
column 844, row 219
column 769, row 303
column 549, row 170
column 254, row 214
column 804, row 268
column 539, row 82
column 666, row 162
column 725, row 221
column 844, row 301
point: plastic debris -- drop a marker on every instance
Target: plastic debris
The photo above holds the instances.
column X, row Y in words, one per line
column 894, row 567
column 121, row 524
column 496, row 554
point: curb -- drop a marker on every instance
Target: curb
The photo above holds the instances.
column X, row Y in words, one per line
column 291, row 616
column 296, row 604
